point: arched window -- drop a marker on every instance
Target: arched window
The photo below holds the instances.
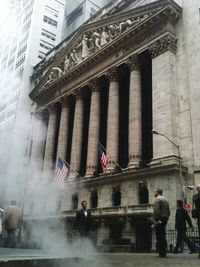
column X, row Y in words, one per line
column 116, row 196
column 94, row 198
column 143, row 193
column 75, row 201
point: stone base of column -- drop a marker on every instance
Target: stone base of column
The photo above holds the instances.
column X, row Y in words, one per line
column 73, row 176
column 134, row 161
column 110, row 170
column 112, row 167
column 165, row 160
column 91, row 171
column 133, row 165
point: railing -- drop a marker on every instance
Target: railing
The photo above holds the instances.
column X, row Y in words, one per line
column 171, row 235
column 142, row 209
column 129, row 239
column 123, row 210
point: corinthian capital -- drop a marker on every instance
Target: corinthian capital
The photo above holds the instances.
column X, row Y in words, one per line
column 164, row 44
column 78, row 94
column 133, row 62
column 94, row 85
column 112, row 74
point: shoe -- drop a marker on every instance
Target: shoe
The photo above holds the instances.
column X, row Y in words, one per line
column 175, row 252
column 162, row 256
column 192, row 252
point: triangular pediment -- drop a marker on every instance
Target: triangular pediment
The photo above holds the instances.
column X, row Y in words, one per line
column 92, row 38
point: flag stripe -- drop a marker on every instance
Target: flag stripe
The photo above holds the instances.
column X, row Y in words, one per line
column 62, row 172
column 104, row 159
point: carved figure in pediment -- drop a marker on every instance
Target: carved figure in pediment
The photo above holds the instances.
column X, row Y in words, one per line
column 73, row 58
column 66, row 64
column 84, row 45
column 113, row 31
column 58, row 72
column 124, row 25
column 96, row 39
column 51, row 78
column 54, row 74
column 104, row 36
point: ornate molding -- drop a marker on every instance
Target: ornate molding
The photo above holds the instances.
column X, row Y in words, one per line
column 168, row 42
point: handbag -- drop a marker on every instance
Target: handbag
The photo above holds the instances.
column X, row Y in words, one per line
column 194, row 213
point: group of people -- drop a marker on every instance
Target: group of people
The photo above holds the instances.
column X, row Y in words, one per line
column 83, row 221
column 161, row 213
column 161, row 216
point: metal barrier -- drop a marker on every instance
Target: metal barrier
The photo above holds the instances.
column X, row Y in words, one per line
column 171, row 235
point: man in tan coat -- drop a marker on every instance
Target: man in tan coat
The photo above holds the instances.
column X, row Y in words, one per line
column 161, row 214
column 11, row 220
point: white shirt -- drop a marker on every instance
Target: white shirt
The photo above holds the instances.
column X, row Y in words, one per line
column 85, row 212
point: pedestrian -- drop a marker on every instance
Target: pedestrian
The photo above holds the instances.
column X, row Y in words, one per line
column 181, row 218
column 1, row 216
column 196, row 204
column 83, row 220
column 11, row 220
column 161, row 215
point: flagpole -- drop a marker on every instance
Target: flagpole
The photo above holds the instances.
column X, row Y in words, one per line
column 70, row 167
column 110, row 156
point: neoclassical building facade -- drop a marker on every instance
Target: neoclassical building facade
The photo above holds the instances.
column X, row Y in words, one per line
column 114, row 81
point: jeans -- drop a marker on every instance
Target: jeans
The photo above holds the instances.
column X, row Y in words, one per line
column 11, row 241
column 181, row 236
column 160, row 237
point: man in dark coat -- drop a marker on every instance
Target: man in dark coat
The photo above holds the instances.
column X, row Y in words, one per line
column 180, row 225
column 196, row 203
column 83, row 220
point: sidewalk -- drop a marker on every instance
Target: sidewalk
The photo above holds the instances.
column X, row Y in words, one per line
column 28, row 257
column 148, row 260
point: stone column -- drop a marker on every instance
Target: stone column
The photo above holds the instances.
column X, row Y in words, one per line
column 164, row 93
column 39, row 137
column 77, row 132
column 94, row 123
column 50, row 140
column 135, row 114
column 113, row 120
column 63, row 130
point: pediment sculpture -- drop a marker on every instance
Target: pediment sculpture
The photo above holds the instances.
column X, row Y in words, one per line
column 90, row 42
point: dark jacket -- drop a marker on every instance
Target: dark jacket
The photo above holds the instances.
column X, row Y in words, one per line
column 196, row 201
column 181, row 218
column 82, row 222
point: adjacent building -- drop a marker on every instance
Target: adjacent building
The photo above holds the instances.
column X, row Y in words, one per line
column 77, row 14
column 31, row 29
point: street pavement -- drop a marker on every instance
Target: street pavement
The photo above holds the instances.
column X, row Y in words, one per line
column 102, row 259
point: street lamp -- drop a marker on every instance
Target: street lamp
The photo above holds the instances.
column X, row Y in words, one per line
column 180, row 167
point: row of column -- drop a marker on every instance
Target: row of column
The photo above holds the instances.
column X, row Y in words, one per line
column 135, row 124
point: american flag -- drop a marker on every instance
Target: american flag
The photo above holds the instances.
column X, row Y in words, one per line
column 62, row 172
column 103, row 159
